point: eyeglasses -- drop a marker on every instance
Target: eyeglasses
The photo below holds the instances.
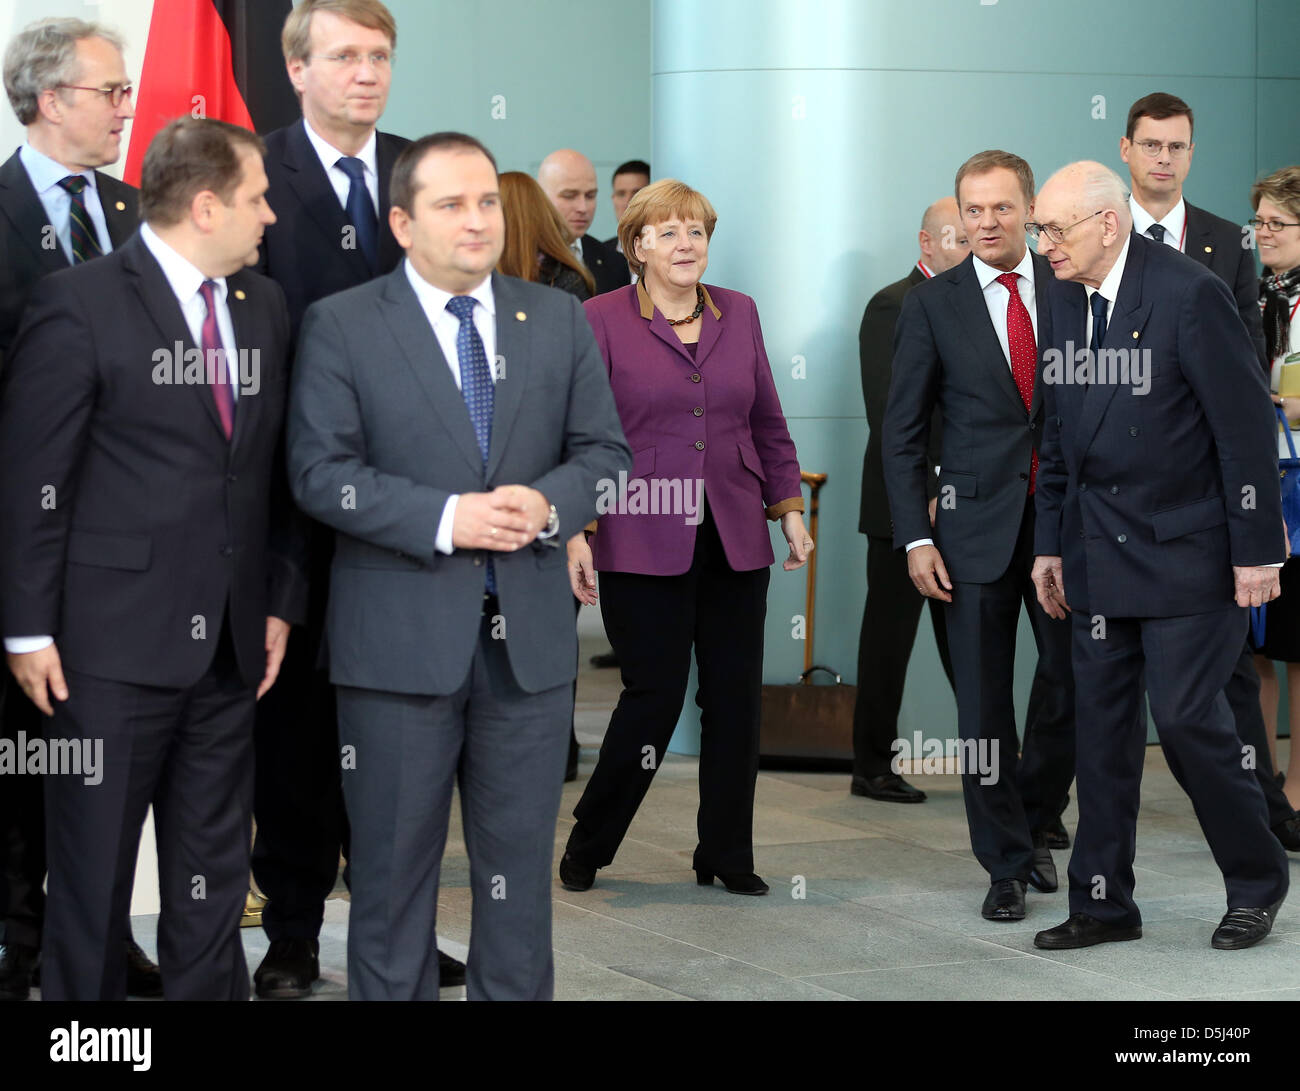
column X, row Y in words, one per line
column 116, row 94
column 1151, row 148
column 379, row 60
column 1273, row 225
column 1056, row 234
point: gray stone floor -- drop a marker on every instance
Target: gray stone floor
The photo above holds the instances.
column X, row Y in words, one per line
column 869, row 901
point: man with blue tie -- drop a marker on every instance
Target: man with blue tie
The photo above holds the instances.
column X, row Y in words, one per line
column 1159, row 519
column 329, row 175
column 67, row 82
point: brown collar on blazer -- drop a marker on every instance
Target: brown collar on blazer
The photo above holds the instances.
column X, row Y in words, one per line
column 648, row 307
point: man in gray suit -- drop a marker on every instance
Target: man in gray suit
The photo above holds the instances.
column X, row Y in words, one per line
column 452, row 425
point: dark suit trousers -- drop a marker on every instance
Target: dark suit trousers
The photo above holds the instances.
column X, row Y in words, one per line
column 1188, row 661
column 507, row 750
column 22, row 827
column 189, row 752
column 1028, row 791
column 652, row 623
column 889, row 623
column 298, row 794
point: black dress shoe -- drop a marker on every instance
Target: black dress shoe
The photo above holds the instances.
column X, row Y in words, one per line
column 1042, row 871
column 17, row 967
column 571, row 767
column 1242, row 928
column 142, row 976
column 1055, row 835
column 605, row 659
column 737, row 884
column 288, row 970
column 451, row 971
column 1005, row 901
column 1288, row 832
column 575, row 876
column 888, row 787
column 1082, row 930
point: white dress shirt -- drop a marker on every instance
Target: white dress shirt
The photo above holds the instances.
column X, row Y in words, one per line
column 329, row 157
column 184, row 279
column 1174, row 223
column 46, row 174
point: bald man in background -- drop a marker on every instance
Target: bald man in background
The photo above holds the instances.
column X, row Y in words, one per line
column 569, row 181
column 893, row 608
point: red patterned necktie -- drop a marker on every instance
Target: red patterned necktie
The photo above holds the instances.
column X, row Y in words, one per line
column 1024, row 351
column 211, row 338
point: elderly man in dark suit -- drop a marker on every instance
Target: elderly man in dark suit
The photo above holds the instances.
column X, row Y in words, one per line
column 452, row 426
column 967, row 343
column 893, row 608
column 56, row 210
column 146, row 561
column 328, row 175
column 1159, row 519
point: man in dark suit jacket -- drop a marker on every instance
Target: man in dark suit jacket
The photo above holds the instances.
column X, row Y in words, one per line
column 628, row 179
column 329, row 174
column 451, row 425
column 569, row 181
column 1158, row 149
column 139, row 421
column 1159, row 518
column 70, row 132
column 893, row 609
column 966, row 343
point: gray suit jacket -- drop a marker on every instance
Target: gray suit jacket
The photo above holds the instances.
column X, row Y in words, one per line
column 379, row 437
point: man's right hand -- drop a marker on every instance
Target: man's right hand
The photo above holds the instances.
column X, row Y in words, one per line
column 1049, row 583
column 483, row 521
column 40, row 674
column 926, row 570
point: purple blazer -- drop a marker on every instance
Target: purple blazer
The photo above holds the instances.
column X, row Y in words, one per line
column 715, row 420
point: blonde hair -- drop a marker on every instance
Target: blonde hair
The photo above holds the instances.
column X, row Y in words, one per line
column 295, row 39
column 656, row 203
column 1282, row 187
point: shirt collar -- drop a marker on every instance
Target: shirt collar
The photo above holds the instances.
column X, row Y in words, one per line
column 329, row 155
column 1173, row 222
column 1110, row 285
column 184, row 277
column 648, row 307
column 987, row 274
column 45, row 172
column 926, row 271
column 434, row 300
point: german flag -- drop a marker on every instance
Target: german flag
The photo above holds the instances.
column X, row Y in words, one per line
column 212, row 58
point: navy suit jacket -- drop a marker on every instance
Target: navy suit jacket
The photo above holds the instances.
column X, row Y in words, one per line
column 1216, row 243
column 1152, row 498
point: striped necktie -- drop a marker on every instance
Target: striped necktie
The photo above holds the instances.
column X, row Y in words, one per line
column 85, row 242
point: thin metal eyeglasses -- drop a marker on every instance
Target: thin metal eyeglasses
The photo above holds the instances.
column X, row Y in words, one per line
column 349, row 59
column 1056, row 234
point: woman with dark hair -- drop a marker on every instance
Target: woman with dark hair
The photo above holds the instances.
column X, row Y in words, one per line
column 537, row 247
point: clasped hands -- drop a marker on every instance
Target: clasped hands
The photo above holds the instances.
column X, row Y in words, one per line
column 508, row 517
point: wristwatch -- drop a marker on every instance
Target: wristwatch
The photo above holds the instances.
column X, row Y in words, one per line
column 552, row 523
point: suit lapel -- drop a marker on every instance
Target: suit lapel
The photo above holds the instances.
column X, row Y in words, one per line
column 419, row 344
column 23, row 208
column 119, row 204
column 513, row 344
column 1043, row 278
column 1200, row 236
column 386, row 153
column 973, row 316
column 309, row 182
column 159, row 301
column 247, row 339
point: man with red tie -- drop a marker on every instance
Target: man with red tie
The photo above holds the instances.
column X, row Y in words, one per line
column 966, row 344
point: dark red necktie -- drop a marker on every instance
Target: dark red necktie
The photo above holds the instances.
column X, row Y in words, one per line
column 1024, row 352
column 212, row 350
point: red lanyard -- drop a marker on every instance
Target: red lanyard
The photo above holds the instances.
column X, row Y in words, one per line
column 1182, row 238
column 925, row 272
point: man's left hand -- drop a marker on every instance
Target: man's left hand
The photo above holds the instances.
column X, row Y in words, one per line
column 277, row 639
column 1256, row 585
column 529, row 503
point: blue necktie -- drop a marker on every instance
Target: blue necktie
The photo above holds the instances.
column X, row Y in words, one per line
column 475, row 386
column 1157, row 232
column 1099, row 304
column 360, row 209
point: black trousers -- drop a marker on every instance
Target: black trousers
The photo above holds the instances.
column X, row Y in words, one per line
column 22, row 826
column 298, row 794
column 652, row 623
column 189, row 752
column 1029, row 786
column 1188, row 662
column 889, row 623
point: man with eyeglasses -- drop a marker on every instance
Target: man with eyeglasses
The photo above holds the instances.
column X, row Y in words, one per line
column 67, row 83
column 1158, row 148
column 329, row 175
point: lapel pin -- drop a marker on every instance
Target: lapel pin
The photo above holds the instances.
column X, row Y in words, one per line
column 1209, row 249
column 239, row 294
column 120, row 206
column 1135, row 335
column 520, row 316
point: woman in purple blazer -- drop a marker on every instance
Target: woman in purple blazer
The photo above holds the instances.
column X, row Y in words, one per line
column 681, row 542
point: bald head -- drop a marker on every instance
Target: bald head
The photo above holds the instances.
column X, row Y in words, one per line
column 1085, row 204
column 942, row 237
column 569, row 180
